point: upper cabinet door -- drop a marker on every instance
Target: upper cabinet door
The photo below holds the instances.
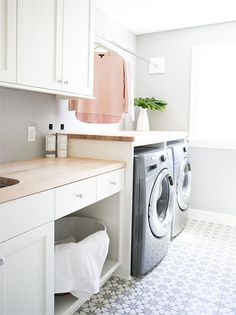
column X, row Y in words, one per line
column 8, row 41
column 78, row 47
column 39, row 50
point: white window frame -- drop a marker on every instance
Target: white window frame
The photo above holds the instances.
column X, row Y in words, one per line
column 197, row 83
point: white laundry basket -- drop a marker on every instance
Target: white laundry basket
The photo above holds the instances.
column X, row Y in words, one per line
column 79, row 227
column 78, row 268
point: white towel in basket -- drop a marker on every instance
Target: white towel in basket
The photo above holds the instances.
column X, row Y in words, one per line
column 78, row 266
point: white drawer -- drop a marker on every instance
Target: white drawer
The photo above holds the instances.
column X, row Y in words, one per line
column 24, row 214
column 72, row 197
column 110, row 183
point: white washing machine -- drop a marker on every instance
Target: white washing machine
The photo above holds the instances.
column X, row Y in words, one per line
column 182, row 180
column 153, row 207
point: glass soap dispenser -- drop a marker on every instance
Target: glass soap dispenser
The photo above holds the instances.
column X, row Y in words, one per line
column 50, row 143
column 62, row 143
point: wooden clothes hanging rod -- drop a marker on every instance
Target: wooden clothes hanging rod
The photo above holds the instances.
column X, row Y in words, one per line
column 125, row 49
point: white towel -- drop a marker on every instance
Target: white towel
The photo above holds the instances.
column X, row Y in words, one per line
column 68, row 239
column 78, row 266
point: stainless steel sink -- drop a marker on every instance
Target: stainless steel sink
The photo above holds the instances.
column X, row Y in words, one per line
column 5, row 182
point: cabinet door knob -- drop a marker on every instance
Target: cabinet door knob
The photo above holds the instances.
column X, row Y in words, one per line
column 2, row 261
column 66, row 82
column 113, row 182
column 78, row 195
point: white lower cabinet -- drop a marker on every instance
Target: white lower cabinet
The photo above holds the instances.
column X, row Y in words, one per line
column 25, row 214
column 110, row 183
column 92, row 193
column 26, row 273
column 72, row 197
column 27, row 242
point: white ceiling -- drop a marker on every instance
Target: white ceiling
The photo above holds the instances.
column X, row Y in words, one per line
column 148, row 16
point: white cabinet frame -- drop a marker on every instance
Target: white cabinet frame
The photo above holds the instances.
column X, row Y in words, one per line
column 47, row 46
column 8, row 41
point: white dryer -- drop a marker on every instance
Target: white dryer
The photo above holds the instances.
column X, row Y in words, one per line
column 182, row 180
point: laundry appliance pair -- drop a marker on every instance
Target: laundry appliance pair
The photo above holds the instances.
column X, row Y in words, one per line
column 155, row 189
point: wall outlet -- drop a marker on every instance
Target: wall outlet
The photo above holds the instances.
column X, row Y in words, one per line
column 31, row 134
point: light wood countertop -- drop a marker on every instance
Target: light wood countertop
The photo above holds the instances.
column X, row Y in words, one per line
column 47, row 173
column 136, row 137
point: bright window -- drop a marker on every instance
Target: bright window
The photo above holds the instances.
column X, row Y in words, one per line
column 213, row 94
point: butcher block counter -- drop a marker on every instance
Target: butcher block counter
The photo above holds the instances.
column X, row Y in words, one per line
column 42, row 174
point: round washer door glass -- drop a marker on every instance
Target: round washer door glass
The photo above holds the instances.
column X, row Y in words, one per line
column 160, row 210
column 184, row 185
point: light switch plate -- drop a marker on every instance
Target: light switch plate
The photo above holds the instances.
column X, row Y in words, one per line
column 31, row 134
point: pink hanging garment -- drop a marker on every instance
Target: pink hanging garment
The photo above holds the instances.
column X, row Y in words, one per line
column 110, row 91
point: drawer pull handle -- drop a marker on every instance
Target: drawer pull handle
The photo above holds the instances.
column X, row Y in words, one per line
column 2, row 261
column 113, row 182
column 77, row 195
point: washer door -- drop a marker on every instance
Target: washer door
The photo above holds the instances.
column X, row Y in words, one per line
column 160, row 210
column 184, row 185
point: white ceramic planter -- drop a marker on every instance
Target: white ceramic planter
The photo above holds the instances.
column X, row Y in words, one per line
column 143, row 123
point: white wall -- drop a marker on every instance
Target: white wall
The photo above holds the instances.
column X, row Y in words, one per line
column 174, row 85
column 214, row 174
column 212, row 187
column 19, row 109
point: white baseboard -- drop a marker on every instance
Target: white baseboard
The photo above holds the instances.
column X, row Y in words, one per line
column 214, row 217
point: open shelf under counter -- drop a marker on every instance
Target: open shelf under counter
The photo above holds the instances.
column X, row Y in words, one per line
column 109, row 268
column 68, row 304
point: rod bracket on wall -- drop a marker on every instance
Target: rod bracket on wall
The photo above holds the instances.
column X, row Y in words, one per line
column 157, row 65
column 101, row 36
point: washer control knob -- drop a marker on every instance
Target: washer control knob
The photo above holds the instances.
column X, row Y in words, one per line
column 163, row 158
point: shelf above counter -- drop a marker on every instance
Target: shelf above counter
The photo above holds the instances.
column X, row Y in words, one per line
column 137, row 138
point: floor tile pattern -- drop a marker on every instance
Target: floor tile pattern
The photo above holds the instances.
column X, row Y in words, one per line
column 197, row 277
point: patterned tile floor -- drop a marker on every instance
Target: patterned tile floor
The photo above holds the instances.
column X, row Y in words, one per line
column 197, row 276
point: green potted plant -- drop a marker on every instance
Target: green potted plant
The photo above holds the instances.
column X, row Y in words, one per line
column 144, row 104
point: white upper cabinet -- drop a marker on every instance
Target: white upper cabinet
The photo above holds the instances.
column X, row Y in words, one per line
column 47, row 46
column 54, row 45
column 37, row 47
column 8, row 41
column 78, row 46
